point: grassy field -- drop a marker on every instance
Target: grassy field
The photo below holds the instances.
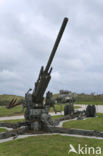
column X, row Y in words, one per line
column 60, row 107
column 56, row 116
column 89, row 99
column 18, row 110
column 53, row 145
column 10, row 112
column 5, row 99
column 89, row 102
column 3, row 130
column 88, row 124
column 12, row 121
column 21, row 120
column 80, row 99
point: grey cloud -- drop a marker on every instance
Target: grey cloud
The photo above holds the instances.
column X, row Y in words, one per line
column 28, row 30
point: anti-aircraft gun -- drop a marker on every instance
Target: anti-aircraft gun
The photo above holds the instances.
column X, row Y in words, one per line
column 44, row 75
column 36, row 113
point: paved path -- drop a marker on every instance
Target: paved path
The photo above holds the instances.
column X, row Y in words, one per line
column 25, row 136
column 61, row 123
column 99, row 108
column 12, row 117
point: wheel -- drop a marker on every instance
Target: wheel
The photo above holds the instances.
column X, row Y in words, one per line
column 88, row 111
column 91, row 111
column 66, row 110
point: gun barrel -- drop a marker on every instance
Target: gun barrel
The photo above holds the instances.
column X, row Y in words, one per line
column 56, row 43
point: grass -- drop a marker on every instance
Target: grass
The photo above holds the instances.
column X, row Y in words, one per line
column 89, row 99
column 5, row 99
column 56, row 116
column 60, row 107
column 18, row 110
column 77, row 107
column 3, row 130
column 21, row 120
column 10, row 112
column 88, row 124
column 12, row 121
column 89, row 102
column 53, row 145
column 80, row 99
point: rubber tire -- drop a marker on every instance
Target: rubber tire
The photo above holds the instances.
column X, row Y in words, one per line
column 91, row 111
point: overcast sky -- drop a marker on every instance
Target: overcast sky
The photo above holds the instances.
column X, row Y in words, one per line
column 28, row 29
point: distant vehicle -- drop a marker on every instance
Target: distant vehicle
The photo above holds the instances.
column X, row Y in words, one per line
column 66, row 96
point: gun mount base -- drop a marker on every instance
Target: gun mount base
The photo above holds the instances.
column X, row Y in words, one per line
column 38, row 119
column 18, row 129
